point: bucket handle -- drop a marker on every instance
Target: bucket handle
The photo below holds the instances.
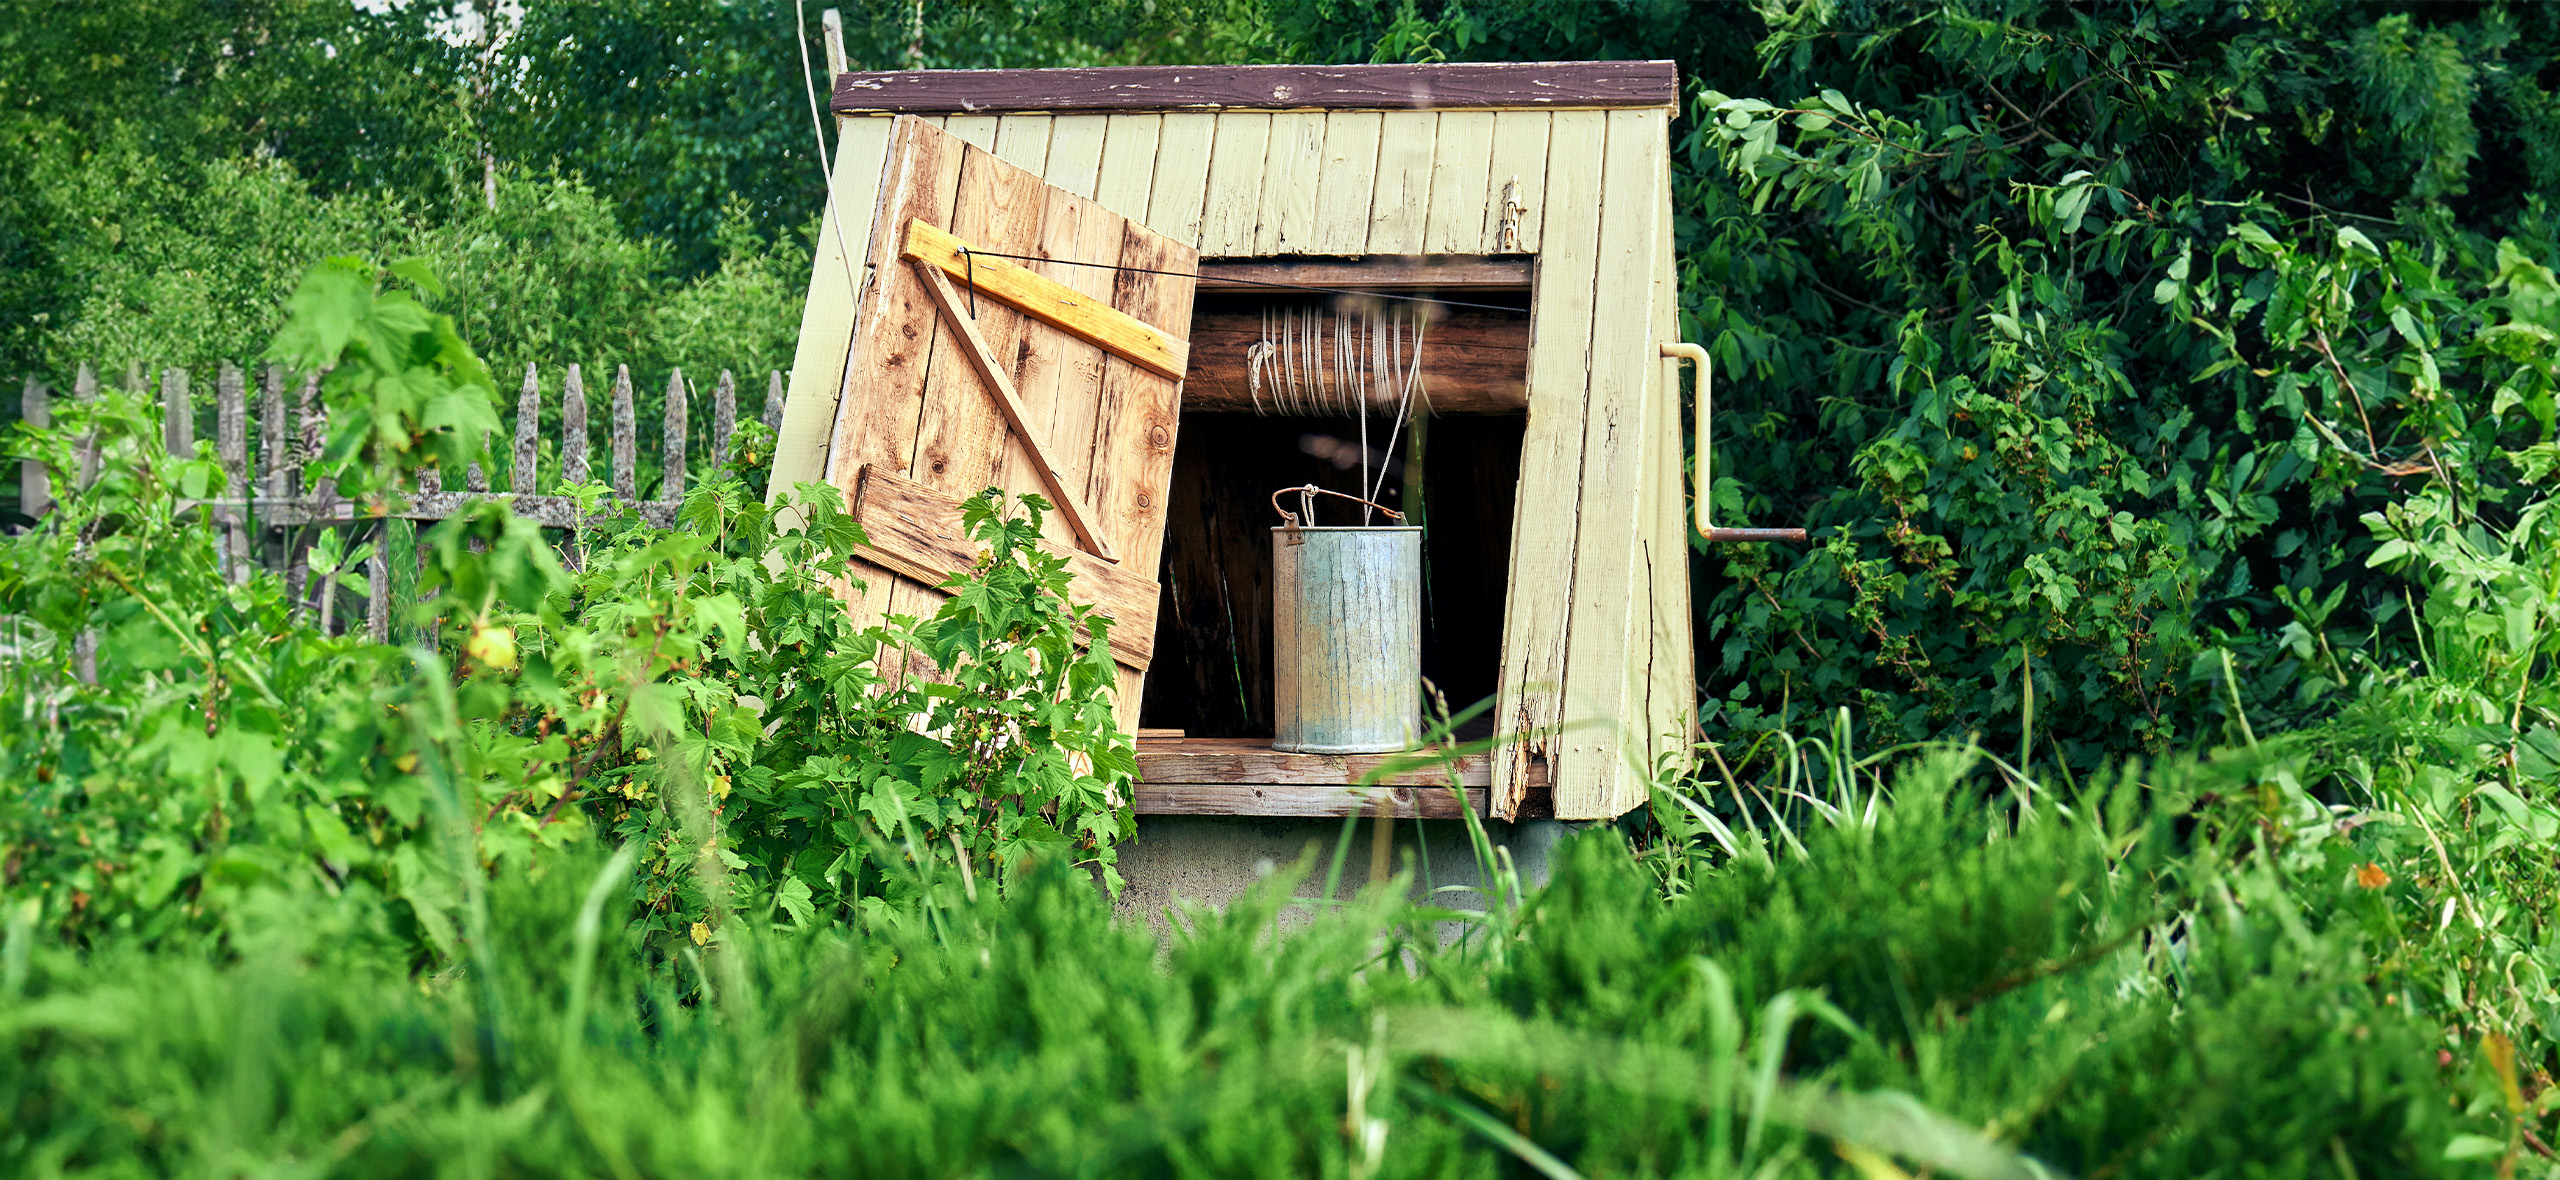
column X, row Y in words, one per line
column 1307, row 494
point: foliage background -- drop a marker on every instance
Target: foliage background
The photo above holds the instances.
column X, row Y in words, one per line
column 2159, row 375
column 2021, row 461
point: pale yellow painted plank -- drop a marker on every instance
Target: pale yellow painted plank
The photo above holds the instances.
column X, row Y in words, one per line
column 1128, row 166
column 1403, row 198
column 1671, row 689
column 1075, row 153
column 1174, row 200
column 1611, row 623
column 1461, row 159
column 978, row 131
column 1540, row 591
column 1348, row 180
column 826, row 319
column 1520, row 167
column 1023, row 141
column 1291, row 168
column 1234, row 199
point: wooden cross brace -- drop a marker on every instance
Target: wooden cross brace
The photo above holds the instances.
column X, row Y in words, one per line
column 1071, row 506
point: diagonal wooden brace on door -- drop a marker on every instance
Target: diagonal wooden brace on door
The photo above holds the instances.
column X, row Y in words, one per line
column 1071, row 506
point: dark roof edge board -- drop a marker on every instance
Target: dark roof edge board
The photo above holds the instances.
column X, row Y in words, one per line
column 1170, row 88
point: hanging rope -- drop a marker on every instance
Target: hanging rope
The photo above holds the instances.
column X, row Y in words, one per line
column 1345, row 365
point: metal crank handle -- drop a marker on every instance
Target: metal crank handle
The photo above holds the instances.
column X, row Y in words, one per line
column 1706, row 402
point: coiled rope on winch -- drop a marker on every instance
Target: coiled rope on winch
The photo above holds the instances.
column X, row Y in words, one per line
column 1346, row 364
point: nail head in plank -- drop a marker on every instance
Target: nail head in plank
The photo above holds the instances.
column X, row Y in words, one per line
column 1049, row 302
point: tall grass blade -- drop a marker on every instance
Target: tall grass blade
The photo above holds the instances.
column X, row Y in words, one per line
column 1491, row 1128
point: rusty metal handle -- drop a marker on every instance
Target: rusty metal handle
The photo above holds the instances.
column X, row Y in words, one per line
column 1677, row 350
column 1308, row 493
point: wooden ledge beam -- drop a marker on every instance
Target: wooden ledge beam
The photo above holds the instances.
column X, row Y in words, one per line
column 1385, row 272
column 1552, row 85
column 1245, row 776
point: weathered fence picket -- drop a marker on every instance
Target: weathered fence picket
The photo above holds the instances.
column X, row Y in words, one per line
column 268, row 518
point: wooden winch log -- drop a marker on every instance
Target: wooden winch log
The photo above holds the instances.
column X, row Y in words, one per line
column 1473, row 361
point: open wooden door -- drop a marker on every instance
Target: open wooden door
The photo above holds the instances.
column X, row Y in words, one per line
column 1057, row 370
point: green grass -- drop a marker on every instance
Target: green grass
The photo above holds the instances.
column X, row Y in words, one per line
column 1945, row 983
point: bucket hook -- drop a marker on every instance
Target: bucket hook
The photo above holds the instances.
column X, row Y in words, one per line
column 1307, row 494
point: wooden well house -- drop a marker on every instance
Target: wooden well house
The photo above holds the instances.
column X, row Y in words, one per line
column 1121, row 288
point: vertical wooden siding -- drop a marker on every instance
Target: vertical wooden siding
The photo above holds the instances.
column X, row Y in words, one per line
column 826, row 319
column 1549, row 510
column 1596, row 661
column 1672, row 689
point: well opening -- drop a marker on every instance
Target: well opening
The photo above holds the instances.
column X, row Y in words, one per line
column 1456, row 468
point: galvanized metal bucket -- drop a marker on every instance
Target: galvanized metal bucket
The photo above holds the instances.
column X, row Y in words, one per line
column 1346, row 636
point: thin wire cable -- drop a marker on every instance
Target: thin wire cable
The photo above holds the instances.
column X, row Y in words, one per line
column 1189, row 274
column 1404, row 411
column 818, row 130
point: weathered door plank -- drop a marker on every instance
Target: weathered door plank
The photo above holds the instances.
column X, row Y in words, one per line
column 1610, row 615
column 1540, row 592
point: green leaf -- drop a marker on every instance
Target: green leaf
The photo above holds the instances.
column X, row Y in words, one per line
column 795, row 897
column 2474, row 1147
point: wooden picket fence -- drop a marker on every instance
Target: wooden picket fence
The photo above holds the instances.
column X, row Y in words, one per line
column 278, row 521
